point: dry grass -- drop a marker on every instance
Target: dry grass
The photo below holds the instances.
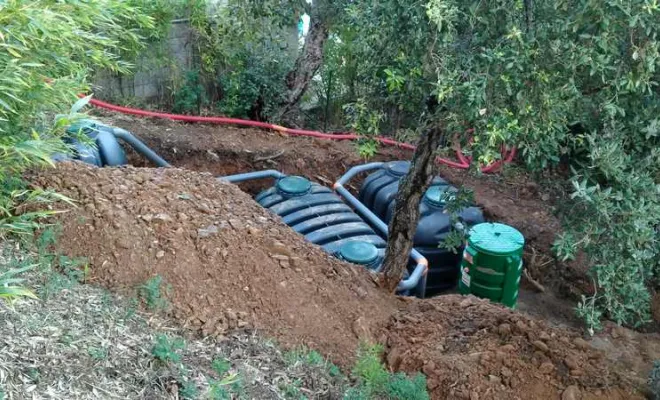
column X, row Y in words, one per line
column 82, row 342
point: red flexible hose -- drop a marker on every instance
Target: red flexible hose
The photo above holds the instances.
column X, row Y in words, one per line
column 463, row 163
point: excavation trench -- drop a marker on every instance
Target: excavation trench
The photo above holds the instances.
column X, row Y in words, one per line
column 227, row 150
column 231, row 265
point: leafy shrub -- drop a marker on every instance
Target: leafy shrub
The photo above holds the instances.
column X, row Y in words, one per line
column 188, row 390
column 401, row 387
column 564, row 81
column 188, row 98
column 221, row 366
column 374, row 380
column 167, row 349
column 246, row 51
column 575, row 82
column 369, row 368
column 152, row 293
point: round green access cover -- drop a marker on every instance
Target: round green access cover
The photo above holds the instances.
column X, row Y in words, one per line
column 398, row 168
column 438, row 195
column 86, row 125
column 494, row 238
column 358, row 252
column 294, row 185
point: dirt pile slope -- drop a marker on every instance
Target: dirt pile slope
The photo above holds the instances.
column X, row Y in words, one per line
column 232, row 265
column 229, row 263
column 471, row 349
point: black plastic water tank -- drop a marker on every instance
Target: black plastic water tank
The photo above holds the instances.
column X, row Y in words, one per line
column 322, row 218
column 380, row 188
column 379, row 192
column 103, row 149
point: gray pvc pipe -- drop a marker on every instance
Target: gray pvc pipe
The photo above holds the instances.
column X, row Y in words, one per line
column 419, row 273
column 269, row 173
column 356, row 170
column 140, row 147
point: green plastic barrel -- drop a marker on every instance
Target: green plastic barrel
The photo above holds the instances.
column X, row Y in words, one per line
column 492, row 263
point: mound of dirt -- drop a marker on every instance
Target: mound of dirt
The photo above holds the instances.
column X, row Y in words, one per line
column 471, row 349
column 229, row 263
column 232, row 265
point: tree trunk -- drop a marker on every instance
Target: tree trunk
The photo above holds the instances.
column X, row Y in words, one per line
column 406, row 213
column 309, row 61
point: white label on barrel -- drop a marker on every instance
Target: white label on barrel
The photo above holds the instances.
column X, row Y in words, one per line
column 466, row 276
column 467, row 256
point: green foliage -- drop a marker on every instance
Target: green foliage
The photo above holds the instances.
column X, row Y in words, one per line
column 654, row 381
column 188, row 390
column 16, row 197
column 455, row 202
column 401, row 387
column 223, row 388
column 167, row 349
column 98, row 353
column 9, row 281
column 291, row 390
column 575, row 82
column 375, row 381
column 221, row 366
column 59, row 272
column 304, row 356
column 563, row 81
column 152, row 294
column 369, row 369
column 333, row 370
column 366, row 123
column 161, row 14
column 378, row 56
column 246, row 53
column 188, row 98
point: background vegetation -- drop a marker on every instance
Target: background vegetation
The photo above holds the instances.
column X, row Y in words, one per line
column 571, row 83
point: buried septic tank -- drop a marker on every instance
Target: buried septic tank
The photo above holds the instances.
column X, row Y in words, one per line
column 321, row 216
column 378, row 194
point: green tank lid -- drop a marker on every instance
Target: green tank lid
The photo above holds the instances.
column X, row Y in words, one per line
column 294, row 185
column 86, row 125
column 358, row 252
column 437, row 195
column 397, row 168
column 497, row 239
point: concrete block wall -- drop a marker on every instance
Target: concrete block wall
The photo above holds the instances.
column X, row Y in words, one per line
column 162, row 65
column 154, row 70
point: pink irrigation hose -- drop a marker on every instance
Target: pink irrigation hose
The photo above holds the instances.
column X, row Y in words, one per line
column 463, row 163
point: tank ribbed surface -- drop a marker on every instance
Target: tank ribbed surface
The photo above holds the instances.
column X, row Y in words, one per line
column 324, row 219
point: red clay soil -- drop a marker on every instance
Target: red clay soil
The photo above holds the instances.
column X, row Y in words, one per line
column 471, row 349
column 231, row 266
